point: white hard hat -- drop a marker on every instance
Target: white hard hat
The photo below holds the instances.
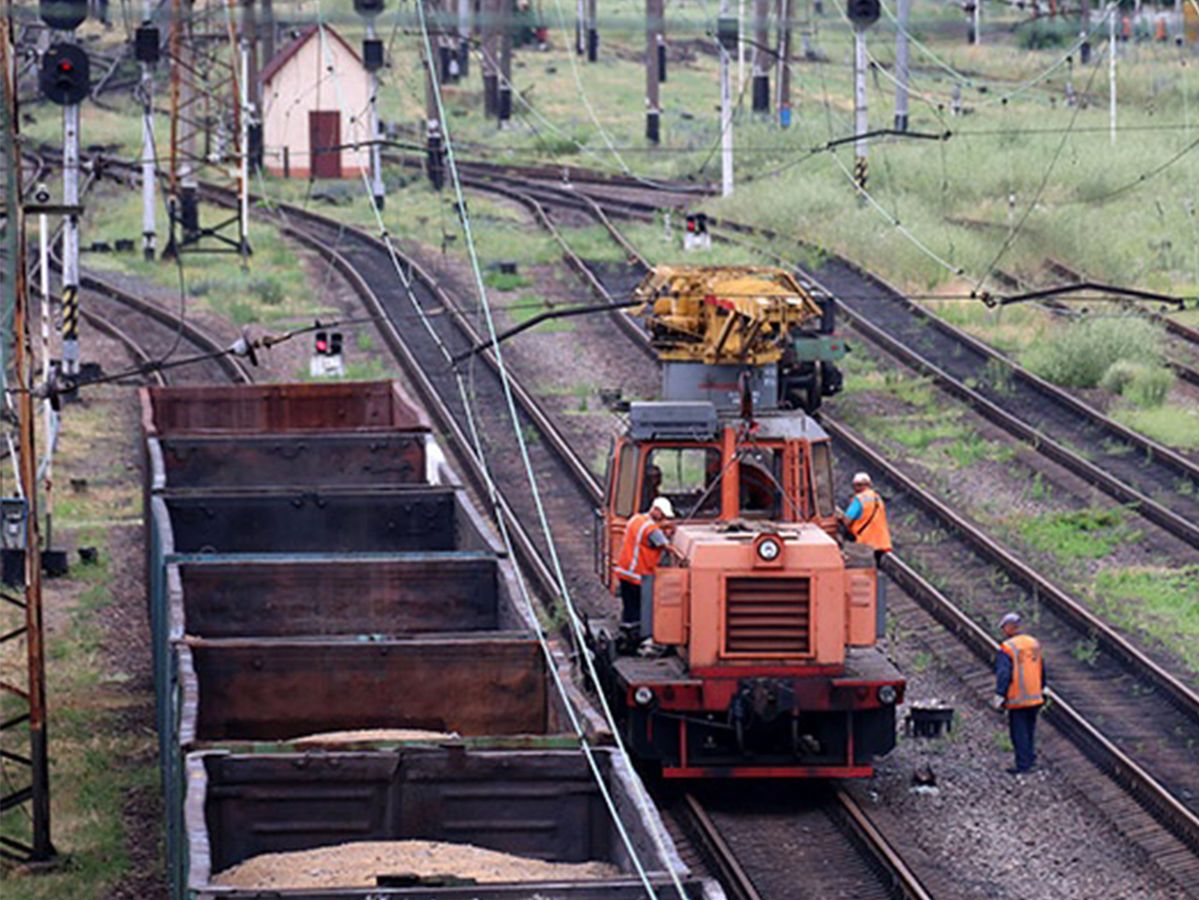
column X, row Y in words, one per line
column 861, row 478
column 1012, row 618
column 663, row 506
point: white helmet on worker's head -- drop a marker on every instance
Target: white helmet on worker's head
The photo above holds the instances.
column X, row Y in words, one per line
column 861, row 478
column 662, row 505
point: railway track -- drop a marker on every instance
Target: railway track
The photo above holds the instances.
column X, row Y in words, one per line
column 1161, row 484
column 1186, row 335
column 153, row 336
column 368, row 264
column 1144, row 739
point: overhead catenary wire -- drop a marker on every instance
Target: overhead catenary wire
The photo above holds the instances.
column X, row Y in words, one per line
column 564, row 588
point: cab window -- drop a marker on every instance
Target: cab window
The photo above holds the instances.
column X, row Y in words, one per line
column 683, row 475
column 822, row 478
column 626, row 481
column 761, row 477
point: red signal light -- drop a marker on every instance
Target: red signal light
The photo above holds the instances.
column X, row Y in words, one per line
column 65, row 66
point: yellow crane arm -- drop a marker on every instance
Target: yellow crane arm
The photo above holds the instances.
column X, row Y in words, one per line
column 723, row 314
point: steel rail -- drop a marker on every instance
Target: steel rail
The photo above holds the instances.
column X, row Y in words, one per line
column 716, row 851
column 231, row 366
column 1155, row 454
column 1165, row 808
column 732, row 874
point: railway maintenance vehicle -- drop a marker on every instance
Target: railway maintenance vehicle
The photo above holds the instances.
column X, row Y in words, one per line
column 764, row 660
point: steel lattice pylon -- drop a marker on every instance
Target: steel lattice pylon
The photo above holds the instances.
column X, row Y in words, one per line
column 208, row 115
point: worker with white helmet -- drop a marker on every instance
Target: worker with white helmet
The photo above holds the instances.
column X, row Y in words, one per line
column 866, row 516
column 644, row 542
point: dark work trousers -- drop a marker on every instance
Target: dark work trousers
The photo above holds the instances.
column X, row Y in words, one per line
column 1022, row 724
column 630, row 604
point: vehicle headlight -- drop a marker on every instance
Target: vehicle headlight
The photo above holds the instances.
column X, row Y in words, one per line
column 769, row 549
column 643, row 695
column 887, row 693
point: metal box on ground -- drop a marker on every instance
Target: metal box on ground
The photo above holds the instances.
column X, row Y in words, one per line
column 539, row 803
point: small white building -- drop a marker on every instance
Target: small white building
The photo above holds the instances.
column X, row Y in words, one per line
column 315, row 102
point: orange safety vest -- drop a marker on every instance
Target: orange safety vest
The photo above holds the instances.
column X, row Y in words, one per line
column 1025, row 687
column 637, row 556
column 871, row 526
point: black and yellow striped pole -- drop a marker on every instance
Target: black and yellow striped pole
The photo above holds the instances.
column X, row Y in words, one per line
column 860, row 171
column 70, row 329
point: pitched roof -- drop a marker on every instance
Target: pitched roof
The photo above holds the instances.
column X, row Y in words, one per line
column 281, row 59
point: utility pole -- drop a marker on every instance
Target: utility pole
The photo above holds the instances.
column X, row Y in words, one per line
column 580, row 27
column 729, row 35
column 784, row 63
column 490, row 25
column 653, row 110
column 740, row 45
column 434, row 152
column 378, row 189
column 30, row 700
column 901, row 65
column 592, row 32
column 147, row 53
column 1111, row 71
column 507, row 26
column 243, row 156
column 268, row 33
column 761, row 85
column 976, row 23
column 463, row 39
column 1084, row 30
column 860, row 122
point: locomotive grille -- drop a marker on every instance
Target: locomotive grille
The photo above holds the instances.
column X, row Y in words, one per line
column 767, row 616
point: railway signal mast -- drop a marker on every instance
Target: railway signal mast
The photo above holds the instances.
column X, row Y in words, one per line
column 65, row 79
column 147, row 50
column 372, row 59
column 863, row 14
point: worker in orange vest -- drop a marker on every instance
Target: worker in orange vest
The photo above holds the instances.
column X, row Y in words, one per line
column 866, row 516
column 1019, row 688
column 644, row 542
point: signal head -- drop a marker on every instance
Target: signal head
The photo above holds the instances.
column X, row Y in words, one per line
column 65, row 77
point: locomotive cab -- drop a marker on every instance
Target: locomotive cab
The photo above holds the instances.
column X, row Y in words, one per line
column 765, row 628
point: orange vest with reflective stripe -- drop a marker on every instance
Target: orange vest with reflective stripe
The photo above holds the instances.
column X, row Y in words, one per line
column 637, row 557
column 1025, row 687
column 871, row 526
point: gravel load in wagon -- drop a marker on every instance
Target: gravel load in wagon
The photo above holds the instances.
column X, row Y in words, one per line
column 367, row 863
column 521, row 823
column 367, row 433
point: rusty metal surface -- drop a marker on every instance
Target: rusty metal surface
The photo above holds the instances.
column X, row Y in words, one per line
column 279, row 408
column 421, row 518
column 420, row 593
column 275, row 689
column 542, row 804
column 324, row 460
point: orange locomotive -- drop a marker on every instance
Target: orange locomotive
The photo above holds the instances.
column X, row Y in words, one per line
column 764, row 660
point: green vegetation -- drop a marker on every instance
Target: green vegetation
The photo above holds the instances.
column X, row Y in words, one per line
column 1163, row 602
column 1172, row 424
column 1078, row 534
column 1080, row 354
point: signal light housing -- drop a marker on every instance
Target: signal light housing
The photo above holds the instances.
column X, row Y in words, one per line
column 65, row 77
column 63, row 15
column 146, row 44
column 322, row 343
column 863, row 12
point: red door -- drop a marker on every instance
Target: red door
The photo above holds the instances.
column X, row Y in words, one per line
column 324, row 137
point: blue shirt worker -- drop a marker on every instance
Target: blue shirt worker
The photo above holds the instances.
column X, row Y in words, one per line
column 1019, row 688
column 866, row 516
column 642, row 548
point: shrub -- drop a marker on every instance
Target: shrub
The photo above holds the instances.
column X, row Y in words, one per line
column 1080, row 355
column 1119, row 375
column 266, row 289
column 1149, row 386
